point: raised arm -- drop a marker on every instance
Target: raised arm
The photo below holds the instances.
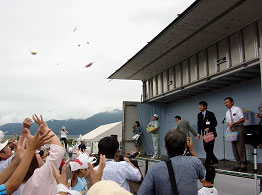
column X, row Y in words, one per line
column 26, row 126
column 34, row 142
column 19, row 153
column 54, row 140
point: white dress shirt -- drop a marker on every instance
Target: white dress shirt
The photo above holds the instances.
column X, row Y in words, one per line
column 237, row 114
column 120, row 172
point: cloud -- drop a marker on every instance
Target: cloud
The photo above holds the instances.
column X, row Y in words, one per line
column 54, row 82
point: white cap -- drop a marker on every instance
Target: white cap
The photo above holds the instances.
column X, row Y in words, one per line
column 81, row 162
column 107, row 187
column 2, row 145
column 155, row 115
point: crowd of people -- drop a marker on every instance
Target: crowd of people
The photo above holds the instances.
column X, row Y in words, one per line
column 37, row 164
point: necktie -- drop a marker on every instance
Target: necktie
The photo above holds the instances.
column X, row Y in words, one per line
column 231, row 117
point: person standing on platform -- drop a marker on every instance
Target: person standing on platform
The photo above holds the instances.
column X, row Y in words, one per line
column 137, row 131
column 206, row 122
column 153, row 127
column 235, row 122
column 184, row 126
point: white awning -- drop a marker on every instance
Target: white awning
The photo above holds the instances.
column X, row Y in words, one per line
column 103, row 131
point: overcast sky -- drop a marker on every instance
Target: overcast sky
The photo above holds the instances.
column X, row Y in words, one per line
column 54, row 82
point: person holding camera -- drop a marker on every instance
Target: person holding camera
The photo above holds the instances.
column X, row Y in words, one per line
column 186, row 169
column 63, row 137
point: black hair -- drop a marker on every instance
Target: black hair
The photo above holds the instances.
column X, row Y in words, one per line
column 229, row 98
column 138, row 123
column 108, row 146
column 178, row 117
column 175, row 142
column 33, row 166
column 41, row 153
column 210, row 173
column 203, row 103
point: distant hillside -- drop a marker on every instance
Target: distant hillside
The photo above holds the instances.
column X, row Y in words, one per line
column 73, row 126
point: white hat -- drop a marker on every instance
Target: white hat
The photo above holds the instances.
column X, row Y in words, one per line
column 2, row 145
column 155, row 115
column 62, row 188
column 81, row 162
column 107, row 187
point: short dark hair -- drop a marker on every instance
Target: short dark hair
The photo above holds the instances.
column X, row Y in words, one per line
column 210, row 173
column 175, row 142
column 178, row 117
column 108, row 146
column 203, row 103
column 33, row 166
column 229, row 98
column 138, row 123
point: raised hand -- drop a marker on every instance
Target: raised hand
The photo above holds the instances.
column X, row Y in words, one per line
column 27, row 123
column 60, row 178
column 36, row 141
column 96, row 175
column 19, row 148
column 40, row 121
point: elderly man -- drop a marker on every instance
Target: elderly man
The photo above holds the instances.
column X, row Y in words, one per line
column 184, row 126
column 187, row 169
column 235, row 122
column 153, row 128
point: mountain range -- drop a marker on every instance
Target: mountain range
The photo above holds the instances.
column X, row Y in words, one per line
column 73, row 126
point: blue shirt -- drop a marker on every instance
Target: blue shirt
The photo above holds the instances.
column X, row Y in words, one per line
column 138, row 131
column 187, row 169
column 2, row 189
column 81, row 185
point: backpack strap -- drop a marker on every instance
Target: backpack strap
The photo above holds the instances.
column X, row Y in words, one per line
column 171, row 176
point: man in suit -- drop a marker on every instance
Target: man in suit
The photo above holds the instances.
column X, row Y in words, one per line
column 184, row 126
column 206, row 122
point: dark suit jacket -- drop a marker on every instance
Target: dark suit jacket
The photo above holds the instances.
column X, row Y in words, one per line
column 201, row 124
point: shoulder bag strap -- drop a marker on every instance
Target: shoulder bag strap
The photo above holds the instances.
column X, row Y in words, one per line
column 171, row 176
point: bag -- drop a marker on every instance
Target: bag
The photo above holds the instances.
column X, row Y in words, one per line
column 231, row 136
column 149, row 129
column 136, row 137
column 209, row 137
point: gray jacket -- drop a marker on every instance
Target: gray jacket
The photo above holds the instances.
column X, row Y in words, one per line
column 184, row 126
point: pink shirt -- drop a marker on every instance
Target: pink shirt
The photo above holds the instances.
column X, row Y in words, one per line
column 42, row 181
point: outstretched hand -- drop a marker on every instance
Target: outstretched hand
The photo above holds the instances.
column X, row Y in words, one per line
column 27, row 123
column 36, row 141
column 96, row 175
column 40, row 121
column 60, row 178
column 19, row 148
column 25, row 133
